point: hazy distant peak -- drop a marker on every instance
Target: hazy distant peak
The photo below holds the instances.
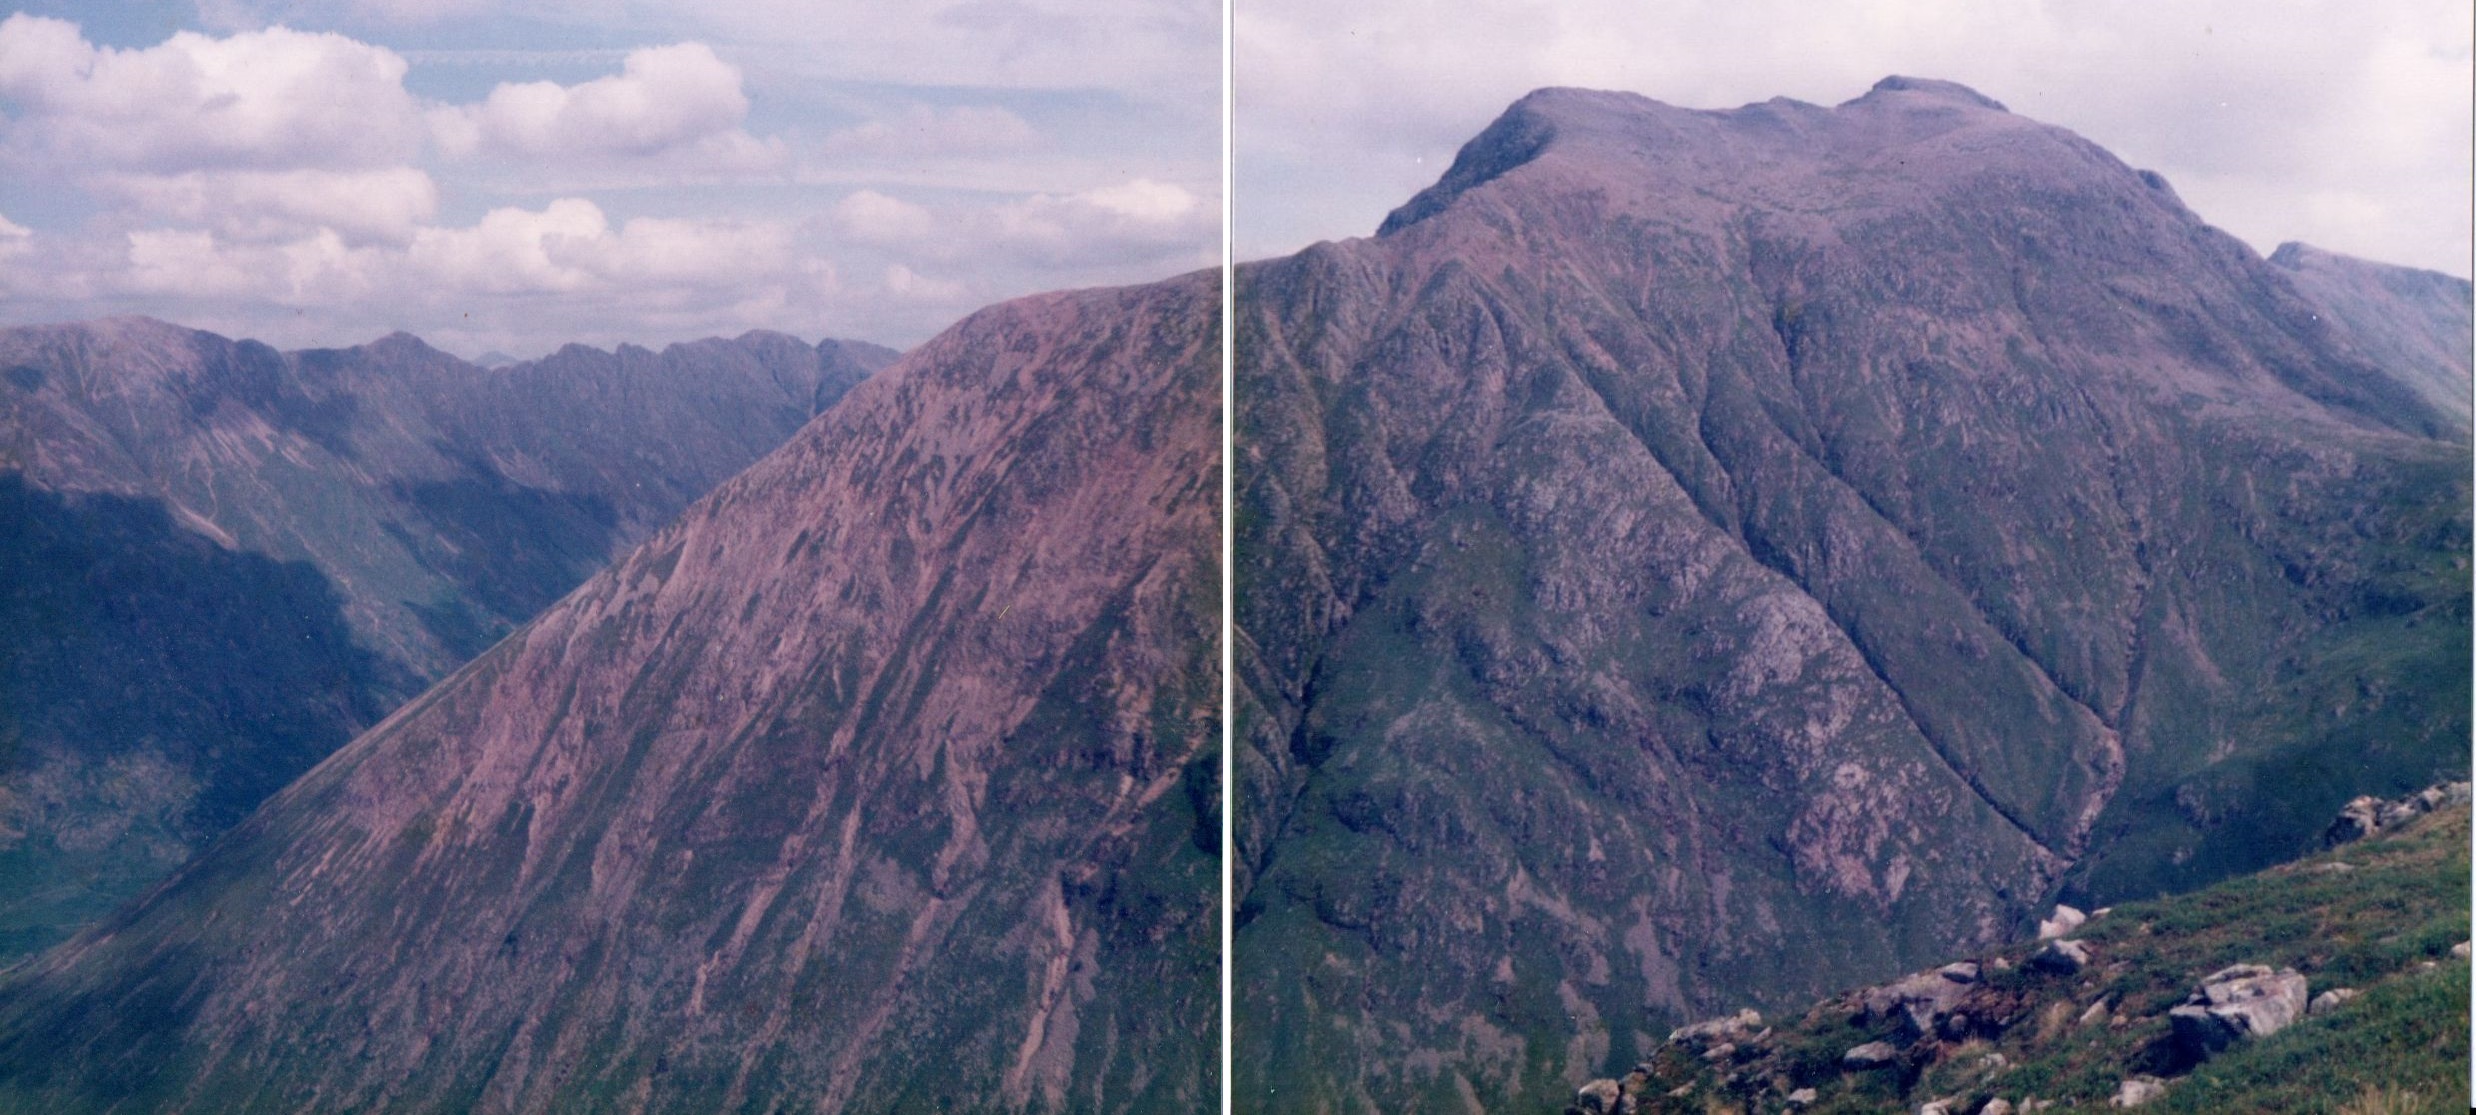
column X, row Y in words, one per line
column 1926, row 86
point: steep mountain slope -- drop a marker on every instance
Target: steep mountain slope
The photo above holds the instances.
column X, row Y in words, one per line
column 2414, row 324
column 225, row 561
column 1697, row 558
column 883, row 779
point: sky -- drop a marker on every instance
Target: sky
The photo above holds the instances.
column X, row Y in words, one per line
column 2342, row 124
column 509, row 177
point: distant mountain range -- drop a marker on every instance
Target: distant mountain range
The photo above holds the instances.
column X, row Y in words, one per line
column 885, row 778
column 223, row 561
column 1697, row 559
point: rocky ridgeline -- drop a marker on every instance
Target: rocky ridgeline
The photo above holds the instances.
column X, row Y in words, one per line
column 1964, row 1009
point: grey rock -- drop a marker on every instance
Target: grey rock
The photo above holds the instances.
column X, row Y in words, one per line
column 1872, row 1055
column 2137, row 1091
column 2331, row 1000
column 1921, row 999
column 2460, row 951
column 1997, row 1106
column 1726, row 1028
column 1965, row 971
column 2096, row 1014
column 1802, row 1097
column 2238, row 1002
column 2065, row 920
column 2360, row 818
column 1600, row 1097
column 2062, row 955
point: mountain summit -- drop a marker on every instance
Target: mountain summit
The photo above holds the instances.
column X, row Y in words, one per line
column 885, row 778
column 1692, row 559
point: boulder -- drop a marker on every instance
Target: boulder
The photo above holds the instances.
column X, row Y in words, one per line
column 1803, row 1097
column 2331, row 1000
column 2065, row 920
column 1601, row 1097
column 2358, row 819
column 1872, row 1055
column 1727, row 1028
column 2455, row 793
column 1964, row 971
column 1997, row 1106
column 2460, row 951
column 1920, row 999
column 2238, row 1002
column 1935, row 1107
column 2095, row 1015
column 2137, row 1091
column 2062, row 956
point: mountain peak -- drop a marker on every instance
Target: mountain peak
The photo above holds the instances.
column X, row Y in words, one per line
column 1644, row 147
column 1941, row 90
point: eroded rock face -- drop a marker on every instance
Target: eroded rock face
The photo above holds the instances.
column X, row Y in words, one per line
column 1681, row 538
column 883, row 779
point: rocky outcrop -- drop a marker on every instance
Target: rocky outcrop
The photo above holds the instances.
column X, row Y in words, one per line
column 2366, row 815
column 885, row 778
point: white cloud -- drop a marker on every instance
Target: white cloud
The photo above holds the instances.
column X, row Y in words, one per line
column 874, row 218
column 272, row 99
column 925, row 131
column 677, row 102
column 367, row 205
column 569, row 246
column 1139, row 219
column 911, row 286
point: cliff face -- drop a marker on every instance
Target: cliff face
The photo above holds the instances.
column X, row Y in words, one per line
column 224, row 561
column 1689, row 559
column 882, row 779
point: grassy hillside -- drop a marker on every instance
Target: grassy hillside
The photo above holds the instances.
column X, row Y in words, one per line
column 2380, row 916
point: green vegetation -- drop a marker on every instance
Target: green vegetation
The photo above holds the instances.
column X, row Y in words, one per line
column 2379, row 916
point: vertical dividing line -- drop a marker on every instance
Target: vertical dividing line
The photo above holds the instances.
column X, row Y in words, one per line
column 1229, row 526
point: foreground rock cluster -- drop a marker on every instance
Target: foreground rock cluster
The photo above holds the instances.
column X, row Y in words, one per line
column 1952, row 1040
column 2366, row 814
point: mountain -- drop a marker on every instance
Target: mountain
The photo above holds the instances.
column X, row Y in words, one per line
column 885, row 778
column 2414, row 323
column 224, row 561
column 1695, row 559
